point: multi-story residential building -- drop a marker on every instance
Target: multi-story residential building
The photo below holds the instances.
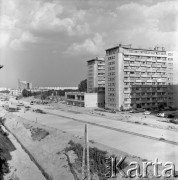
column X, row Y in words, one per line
column 56, row 88
column 136, row 77
column 24, row 85
column 95, row 75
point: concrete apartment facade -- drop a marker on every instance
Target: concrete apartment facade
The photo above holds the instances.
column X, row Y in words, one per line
column 56, row 88
column 96, row 75
column 138, row 78
column 82, row 99
column 24, row 85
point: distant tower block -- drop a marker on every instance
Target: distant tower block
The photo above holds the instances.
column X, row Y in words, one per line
column 86, row 167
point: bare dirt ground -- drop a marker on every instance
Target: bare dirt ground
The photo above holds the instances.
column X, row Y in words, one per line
column 138, row 118
column 46, row 145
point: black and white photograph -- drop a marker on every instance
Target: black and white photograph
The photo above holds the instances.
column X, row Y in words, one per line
column 88, row 89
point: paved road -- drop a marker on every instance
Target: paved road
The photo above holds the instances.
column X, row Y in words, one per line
column 120, row 135
column 134, row 129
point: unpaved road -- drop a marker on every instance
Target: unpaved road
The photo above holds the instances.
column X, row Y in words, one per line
column 21, row 166
column 127, row 142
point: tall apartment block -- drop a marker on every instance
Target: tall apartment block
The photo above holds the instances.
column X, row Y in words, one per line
column 96, row 75
column 24, row 85
column 138, row 78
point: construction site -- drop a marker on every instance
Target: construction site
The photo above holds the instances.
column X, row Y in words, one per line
column 59, row 141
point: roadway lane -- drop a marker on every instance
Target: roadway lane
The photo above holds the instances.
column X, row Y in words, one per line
column 134, row 129
column 134, row 145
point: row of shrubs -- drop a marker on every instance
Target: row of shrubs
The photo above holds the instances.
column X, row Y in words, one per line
column 97, row 159
column 4, row 168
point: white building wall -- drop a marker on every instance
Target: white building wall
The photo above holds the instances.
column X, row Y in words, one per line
column 91, row 100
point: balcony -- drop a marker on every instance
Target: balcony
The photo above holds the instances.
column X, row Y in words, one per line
column 132, row 64
column 149, row 70
column 132, row 70
column 158, row 66
column 142, row 65
column 138, row 80
column 143, row 69
column 149, row 60
column 127, row 80
column 101, row 68
column 132, row 75
column 155, row 75
column 161, row 55
column 127, row 91
column 159, row 61
column 148, row 65
column 127, row 102
column 127, row 58
column 163, row 66
column 154, row 65
column 127, row 69
column 144, row 75
column 137, row 64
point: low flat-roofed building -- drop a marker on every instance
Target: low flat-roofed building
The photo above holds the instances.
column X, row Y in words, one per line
column 84, row 99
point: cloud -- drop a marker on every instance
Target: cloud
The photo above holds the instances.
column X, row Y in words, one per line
column 161, row 16
column 40, row 17
column 26, row 37
column 92, row 46
column 49, row 17
column 4, row 39
column 76, row 21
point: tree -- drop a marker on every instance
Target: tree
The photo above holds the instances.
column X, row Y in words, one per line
column 82, row 87
column 25, row 93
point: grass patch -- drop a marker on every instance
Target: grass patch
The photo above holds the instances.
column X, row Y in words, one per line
column 136, row 122
column 39, row 111
column 5, row 148
column 97, row 159
column 174, row 121
column 38, row 134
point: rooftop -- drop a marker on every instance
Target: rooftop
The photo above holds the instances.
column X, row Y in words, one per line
column 129, row 46
column 96, row 59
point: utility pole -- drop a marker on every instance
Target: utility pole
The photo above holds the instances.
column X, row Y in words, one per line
column 86, row 167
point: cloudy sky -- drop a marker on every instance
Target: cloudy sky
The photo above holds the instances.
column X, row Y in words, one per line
column 47, row 42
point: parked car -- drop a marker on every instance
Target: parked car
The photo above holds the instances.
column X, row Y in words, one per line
column 141, row 110
column 147, row 113
column 133, row 111
column 170, row 116
column 161, row 114
column 112, row 111
column 20, row 104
